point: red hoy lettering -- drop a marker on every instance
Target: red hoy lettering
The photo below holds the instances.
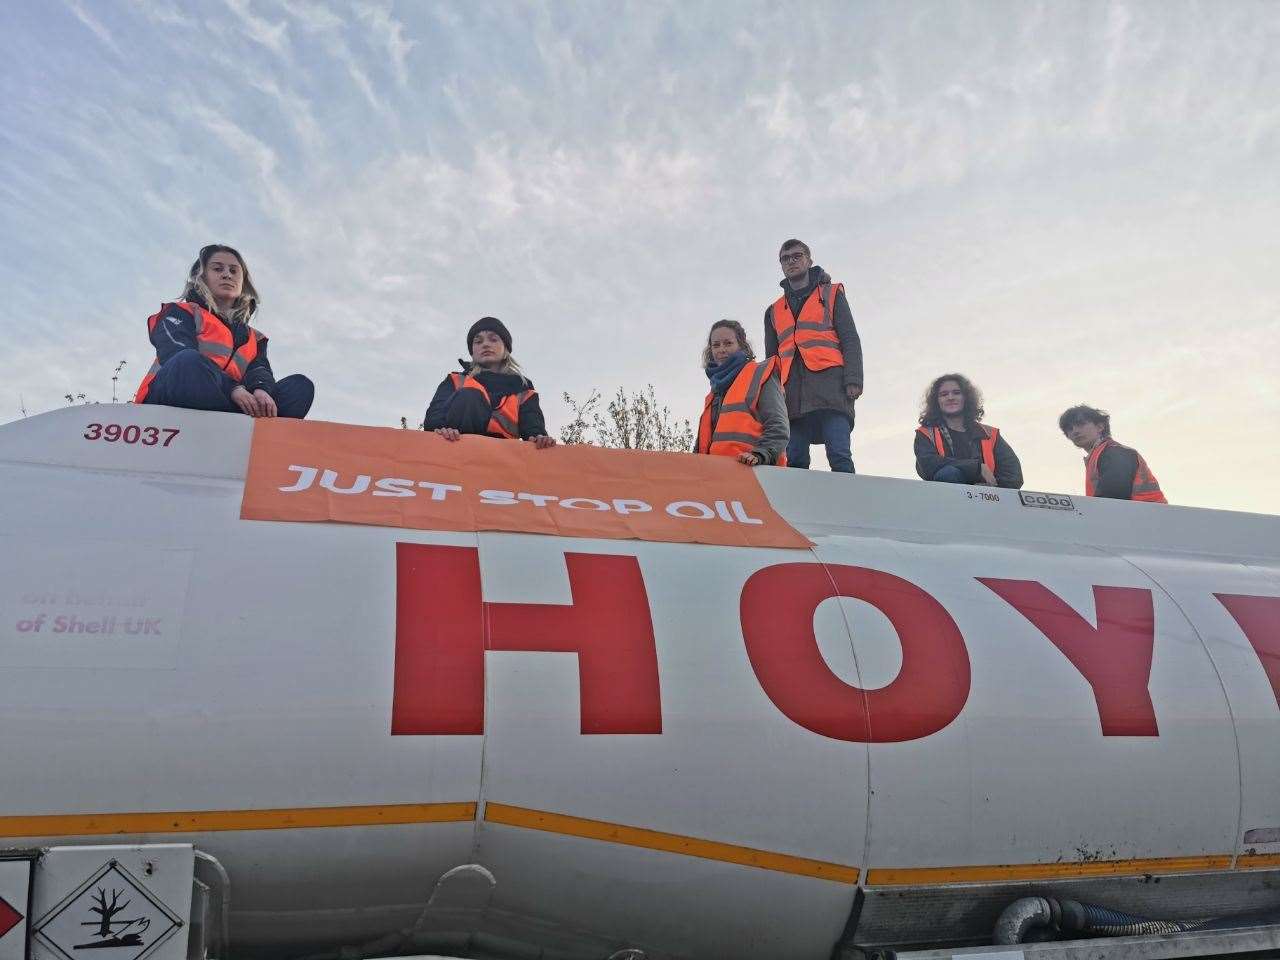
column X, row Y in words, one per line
column 1114, row 657
column 929, row 691
column 1259, row 619
column 444, row 626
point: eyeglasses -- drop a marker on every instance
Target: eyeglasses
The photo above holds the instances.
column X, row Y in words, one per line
column 792, row 257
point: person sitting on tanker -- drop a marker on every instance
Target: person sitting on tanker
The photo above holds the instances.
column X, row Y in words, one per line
column 208, row 353
column 491, row 396
column 208, row 356
column 745, row 413
column 1110, row 469
column 954, row 446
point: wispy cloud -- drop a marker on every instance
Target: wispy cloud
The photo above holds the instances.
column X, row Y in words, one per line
column 273, row 36
column 95, row 25
column 297, row 110
column 163, row 12
column 312, row 15
column 1066, row 202
column 316, row 18
column 390, row 34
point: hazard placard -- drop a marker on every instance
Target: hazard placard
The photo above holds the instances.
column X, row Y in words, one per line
column 15, row 906
column 131, row 902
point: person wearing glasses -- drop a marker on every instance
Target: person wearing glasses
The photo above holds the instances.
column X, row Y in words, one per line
column 208, row 356
column 810, row 330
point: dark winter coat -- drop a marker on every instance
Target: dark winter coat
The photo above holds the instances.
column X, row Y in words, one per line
column 809, row 390
column 1116, row 468
column 964, row 453
column 498, row 386
column 176, row 330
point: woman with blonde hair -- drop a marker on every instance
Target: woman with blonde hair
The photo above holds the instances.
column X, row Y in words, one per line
column 491, row 396
column 744, row 414
column 208, row 356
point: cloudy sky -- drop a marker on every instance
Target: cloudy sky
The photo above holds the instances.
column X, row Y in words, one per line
column 1069, row 202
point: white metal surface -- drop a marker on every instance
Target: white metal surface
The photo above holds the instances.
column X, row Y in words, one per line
column 1253, row 701
column 270, row 685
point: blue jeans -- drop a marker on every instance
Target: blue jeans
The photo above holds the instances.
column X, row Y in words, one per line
column 190, row 380
column 828, row 427
column 949, row 474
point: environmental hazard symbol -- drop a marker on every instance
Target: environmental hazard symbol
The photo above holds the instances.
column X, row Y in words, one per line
column 113, row 911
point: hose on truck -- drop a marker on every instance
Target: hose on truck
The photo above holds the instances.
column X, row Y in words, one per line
column 1032, row 917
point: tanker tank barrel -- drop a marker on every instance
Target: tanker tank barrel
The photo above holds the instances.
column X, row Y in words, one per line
column 411, row 695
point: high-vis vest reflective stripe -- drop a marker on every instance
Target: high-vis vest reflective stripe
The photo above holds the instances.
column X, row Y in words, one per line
column 813, row 333
column 738, row 427
column 1145, row 485
column 213, row 340
column 987, row 445
column 504, row 420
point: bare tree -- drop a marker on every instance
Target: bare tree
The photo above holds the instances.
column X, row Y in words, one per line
column 634, row 422
column 115, row 378
column 105, row 912
column 81, row 398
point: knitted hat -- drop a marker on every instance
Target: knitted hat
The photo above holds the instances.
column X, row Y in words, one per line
column 493, row 324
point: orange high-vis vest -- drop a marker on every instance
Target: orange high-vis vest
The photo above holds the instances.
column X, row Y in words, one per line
column 504, row 421
column 1145, row 485
column 213, row 340
column 813, row 333
column 738, row 428
column 987, row 445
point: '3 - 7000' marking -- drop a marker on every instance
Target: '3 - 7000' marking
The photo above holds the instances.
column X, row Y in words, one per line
column 115, row 433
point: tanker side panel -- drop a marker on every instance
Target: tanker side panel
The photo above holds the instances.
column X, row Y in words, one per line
column 1031, row 772
column 703, row 751
column 172, row 673
column 1236, row 610
column 698, row 822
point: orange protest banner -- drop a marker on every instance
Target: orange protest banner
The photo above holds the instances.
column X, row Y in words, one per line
column 304, row 470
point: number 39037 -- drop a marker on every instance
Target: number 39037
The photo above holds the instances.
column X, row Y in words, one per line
column 147, row 436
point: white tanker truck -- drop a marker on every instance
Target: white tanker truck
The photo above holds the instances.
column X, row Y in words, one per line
column 958, row 722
